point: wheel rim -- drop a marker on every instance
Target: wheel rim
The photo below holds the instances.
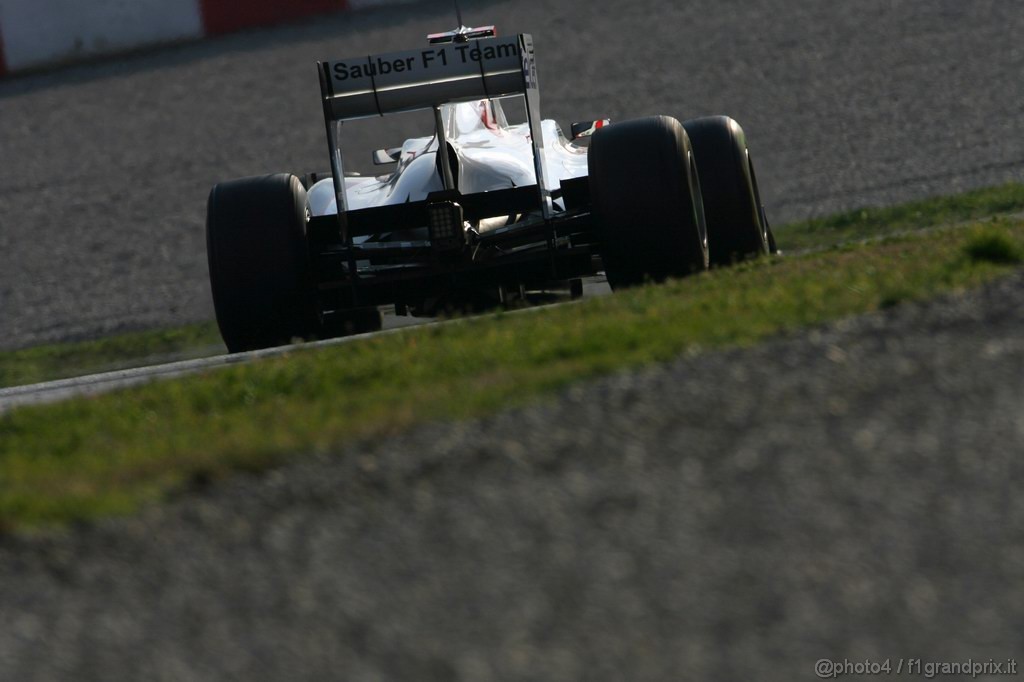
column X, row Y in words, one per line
column 698, row 202
column 758, row 206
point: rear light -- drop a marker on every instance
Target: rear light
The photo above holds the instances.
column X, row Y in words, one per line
column 445, row 220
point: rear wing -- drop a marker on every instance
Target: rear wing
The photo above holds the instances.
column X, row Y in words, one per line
column 460, row 71
column 420, row 79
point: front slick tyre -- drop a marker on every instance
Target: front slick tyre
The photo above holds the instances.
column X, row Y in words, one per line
column 737, row 228
column 646, row 202
column 260, row 273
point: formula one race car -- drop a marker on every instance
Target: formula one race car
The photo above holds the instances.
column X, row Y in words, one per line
column 482, row 211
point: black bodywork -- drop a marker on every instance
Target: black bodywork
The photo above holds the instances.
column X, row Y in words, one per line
column 426, row 275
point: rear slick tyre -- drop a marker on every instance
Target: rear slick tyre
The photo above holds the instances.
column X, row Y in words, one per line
column 258, row 256
column 737, row 228
column 646, row 202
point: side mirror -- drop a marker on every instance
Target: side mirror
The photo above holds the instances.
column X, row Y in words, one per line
column 587, row 128
column 383, row 157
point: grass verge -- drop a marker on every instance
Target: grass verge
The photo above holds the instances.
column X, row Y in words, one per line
column 58, row 361
column 874, row 222
column 106, row 455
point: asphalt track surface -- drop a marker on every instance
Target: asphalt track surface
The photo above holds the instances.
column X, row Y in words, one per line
column 105, row 169
column 845, row 493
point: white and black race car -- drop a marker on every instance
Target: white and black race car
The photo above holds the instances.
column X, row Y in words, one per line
column 482, row 210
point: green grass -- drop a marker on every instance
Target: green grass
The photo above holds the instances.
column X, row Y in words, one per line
column 104, row 455
column 992, row 246
column 874, row 222
column 57, row 361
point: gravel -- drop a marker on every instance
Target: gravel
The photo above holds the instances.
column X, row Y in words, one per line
column 106, row 167
column 845, row 493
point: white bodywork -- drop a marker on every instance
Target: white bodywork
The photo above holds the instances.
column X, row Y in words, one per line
column 492, row 155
